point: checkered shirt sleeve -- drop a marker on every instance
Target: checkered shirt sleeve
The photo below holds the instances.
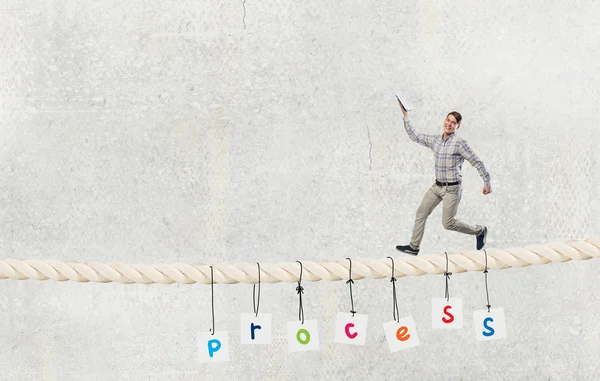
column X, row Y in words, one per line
column 465, row 151
column 423, row 139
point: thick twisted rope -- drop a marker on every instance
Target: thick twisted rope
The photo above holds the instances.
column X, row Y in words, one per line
column 290, row 271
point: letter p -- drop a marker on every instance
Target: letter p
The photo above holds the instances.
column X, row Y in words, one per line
column 213, row 346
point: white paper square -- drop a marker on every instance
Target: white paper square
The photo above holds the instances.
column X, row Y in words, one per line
column 446, row 314
column 405, row 101
column 213, row 348
column 489, row 325
column 255, row 329
column 351, row 329
column 303, row 337
column 406, row 330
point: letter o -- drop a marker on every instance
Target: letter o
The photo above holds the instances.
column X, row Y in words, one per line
column 306, row 335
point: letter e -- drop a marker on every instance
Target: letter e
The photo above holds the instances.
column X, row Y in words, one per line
column 402, row 333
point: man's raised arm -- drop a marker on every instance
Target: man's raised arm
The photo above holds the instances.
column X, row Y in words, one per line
column 422, row 139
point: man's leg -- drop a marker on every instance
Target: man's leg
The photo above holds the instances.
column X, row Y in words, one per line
column 428, row 204
column 452, row 196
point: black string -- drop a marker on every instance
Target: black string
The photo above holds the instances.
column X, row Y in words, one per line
column 395, row 299
column 486, row 284
column 300, row 291
column 447, row 275
column 212, row 299
column 350, row 282
column 255, row 305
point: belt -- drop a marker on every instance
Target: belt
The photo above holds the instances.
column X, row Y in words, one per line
column 446, row 184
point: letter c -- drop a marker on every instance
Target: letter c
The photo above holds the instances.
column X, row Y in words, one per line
column 350, row 335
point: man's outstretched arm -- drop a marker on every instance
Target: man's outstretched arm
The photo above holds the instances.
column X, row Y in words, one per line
column 423, row 139
column 465, row 151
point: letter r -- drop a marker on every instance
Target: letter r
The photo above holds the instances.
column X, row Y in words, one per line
column 252, row 329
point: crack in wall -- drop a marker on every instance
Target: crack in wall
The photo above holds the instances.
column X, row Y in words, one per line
column 244, row 18
column 370, row 146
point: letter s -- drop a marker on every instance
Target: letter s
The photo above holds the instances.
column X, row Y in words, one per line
column 485, row 325
column 449, row 319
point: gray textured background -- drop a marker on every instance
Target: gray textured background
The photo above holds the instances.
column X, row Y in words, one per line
column 210, row 132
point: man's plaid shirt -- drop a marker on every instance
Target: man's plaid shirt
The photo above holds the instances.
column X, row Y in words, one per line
column 449, row 155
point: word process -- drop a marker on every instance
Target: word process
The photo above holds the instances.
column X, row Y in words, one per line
column 351, row 328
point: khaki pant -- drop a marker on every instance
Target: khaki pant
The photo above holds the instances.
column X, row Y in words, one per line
column 451, row 196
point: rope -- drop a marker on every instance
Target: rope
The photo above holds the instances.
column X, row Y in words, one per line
column 288, row 271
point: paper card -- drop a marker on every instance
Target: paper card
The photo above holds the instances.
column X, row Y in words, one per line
column 404, row 100
column 213, row 348
column 489, row 325
column 446, row 314
column 351, row 329
column 255, row 329
column 401, row 335
column 303, row 337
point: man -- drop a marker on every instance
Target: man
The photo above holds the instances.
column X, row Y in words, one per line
column 450, row 152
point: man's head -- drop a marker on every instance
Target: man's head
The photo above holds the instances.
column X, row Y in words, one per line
column 452, row 122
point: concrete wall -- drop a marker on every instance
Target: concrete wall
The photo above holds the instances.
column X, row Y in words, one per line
column 212, row 132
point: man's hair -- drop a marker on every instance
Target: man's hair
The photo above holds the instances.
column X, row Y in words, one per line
column 456, row 115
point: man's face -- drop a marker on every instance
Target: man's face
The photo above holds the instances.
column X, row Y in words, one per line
column 450, row 125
